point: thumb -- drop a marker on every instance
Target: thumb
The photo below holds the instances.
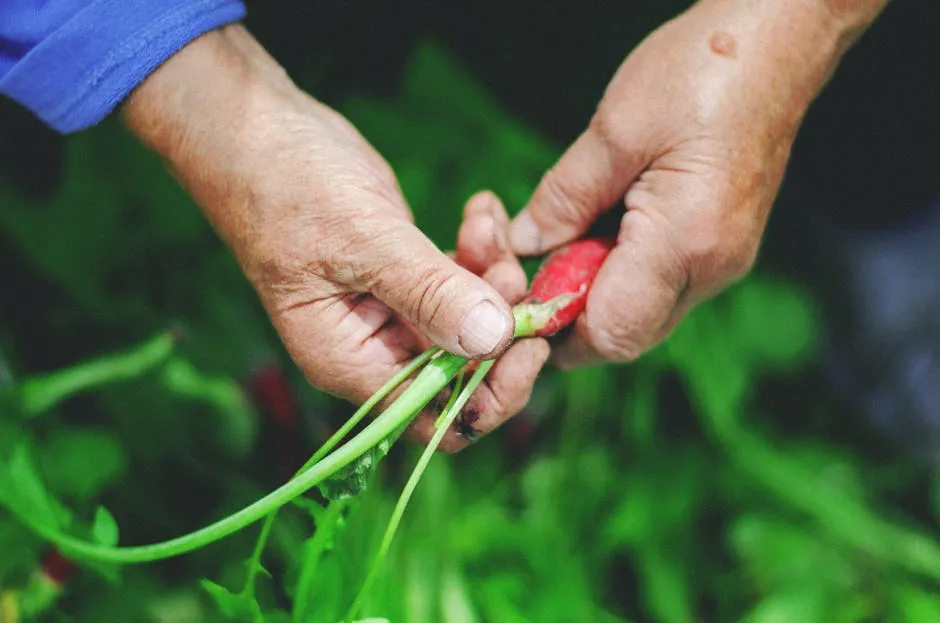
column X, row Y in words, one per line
column 451, row 306
column 590, row 178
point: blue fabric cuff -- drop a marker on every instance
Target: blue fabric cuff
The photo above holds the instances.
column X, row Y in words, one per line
column 78, row 74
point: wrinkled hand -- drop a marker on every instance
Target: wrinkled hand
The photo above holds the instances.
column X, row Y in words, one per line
column 318, row 223
column 693, row 134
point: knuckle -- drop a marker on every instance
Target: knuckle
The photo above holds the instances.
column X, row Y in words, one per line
column 720, row 250
column 428, row 299
column 739, row 260
column 607, row 125
column 502, row 405
column 616, row 344
column 570, row 205
column 452, row 444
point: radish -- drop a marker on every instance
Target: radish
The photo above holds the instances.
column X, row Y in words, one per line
column 559, row 289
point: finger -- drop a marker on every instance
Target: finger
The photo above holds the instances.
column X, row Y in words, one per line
column 483, row 246
column 590, row 178
column 450, row 305
column 508, row 278
column 633, row 301
column 505, row 393
column 482, row 239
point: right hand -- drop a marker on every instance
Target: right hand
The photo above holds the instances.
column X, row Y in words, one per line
column 319, row 226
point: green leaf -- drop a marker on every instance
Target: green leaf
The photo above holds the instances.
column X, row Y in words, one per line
column 235, row 606
column 329, row 523
column 21, row 548
column 774, row 324
column 39, row 394
column 666, row 586
column 915, row 605
column 238, row 427
column 23, row 491
column 81, row 462
column 804, row 606
column 104, row 529
column 354, row 478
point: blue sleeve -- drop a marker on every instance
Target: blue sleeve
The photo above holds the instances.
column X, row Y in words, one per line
column 71, row 62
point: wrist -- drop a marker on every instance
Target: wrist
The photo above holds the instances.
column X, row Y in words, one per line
column 196, row 109
column 203, row 112
column 786, row 50
column 850, row 18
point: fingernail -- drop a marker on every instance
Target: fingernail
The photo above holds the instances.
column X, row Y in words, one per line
column 524, row 235
column 482, row 329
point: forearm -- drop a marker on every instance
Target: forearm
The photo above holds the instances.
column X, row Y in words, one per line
column 784, row 50
column 203, row 112
column 853, row 17
column 203, row 95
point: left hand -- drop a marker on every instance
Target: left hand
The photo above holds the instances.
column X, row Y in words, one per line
column 693, row 134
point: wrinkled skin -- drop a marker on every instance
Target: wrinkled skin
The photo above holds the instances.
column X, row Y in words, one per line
column 318, row 223
column 693, row 133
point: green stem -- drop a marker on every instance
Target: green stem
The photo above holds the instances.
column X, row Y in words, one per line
column 451, row 414
column 458, row 384
column 432, row 379
column 532, row 317
column 39, row 394
column 330, row 443
column 254, row 564
column 369, row 404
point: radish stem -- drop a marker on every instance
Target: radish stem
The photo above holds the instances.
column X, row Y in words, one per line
column 437, row 373
column 369, row 404
column 458, row 384
column 448, row 417
column 340, row 434
column 434, row 377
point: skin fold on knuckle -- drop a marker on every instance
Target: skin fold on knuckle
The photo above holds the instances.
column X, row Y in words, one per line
column 618, row 335
column 609, row 128
column 431, row 291
column 359, row 253
column 566, row 206
column 617, row 343
column 721, row 249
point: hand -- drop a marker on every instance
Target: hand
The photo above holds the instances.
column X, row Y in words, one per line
column 693, row 134
column 318, row 224
column 483, row 248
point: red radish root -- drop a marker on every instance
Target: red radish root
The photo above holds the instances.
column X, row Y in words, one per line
column 565, row 277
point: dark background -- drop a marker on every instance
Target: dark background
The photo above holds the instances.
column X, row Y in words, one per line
column 868, row 152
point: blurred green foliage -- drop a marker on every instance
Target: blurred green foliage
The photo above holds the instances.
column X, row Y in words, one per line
column 674, row 490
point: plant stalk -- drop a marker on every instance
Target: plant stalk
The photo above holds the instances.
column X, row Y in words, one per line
column 432, row 379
